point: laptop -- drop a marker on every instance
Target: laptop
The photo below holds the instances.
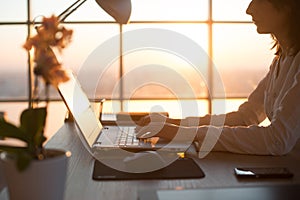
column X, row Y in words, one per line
column 96, row 136
column 264, row 192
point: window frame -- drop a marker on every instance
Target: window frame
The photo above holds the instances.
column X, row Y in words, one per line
column 209, row 22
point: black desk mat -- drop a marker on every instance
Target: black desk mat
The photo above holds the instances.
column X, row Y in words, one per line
column 182, row 168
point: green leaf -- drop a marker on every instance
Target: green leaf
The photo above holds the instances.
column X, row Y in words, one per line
column 33, row 122
column 9, row 130
column 12, row 149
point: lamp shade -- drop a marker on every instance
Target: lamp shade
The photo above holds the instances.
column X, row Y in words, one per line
column 120, row 10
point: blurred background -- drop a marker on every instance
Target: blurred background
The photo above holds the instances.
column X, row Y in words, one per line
column 237, row 56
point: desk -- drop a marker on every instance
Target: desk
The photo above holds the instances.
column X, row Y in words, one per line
column 217, row 166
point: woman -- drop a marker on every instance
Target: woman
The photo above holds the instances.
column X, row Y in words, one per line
column 277, row 96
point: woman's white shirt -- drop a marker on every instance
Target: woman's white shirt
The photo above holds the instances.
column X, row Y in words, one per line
column 277, row 96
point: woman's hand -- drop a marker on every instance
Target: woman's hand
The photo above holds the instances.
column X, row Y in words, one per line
column 167, row 131
column 157, row 129
column 158, row 125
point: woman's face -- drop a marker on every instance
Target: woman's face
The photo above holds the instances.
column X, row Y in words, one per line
column 267, row 17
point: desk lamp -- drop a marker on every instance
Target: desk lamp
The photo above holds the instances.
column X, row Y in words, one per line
column 120, row 10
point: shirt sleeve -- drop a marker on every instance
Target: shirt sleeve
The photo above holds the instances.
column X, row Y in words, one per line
column 276, row 139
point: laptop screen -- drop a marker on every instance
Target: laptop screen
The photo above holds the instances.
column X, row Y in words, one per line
column 79, row 106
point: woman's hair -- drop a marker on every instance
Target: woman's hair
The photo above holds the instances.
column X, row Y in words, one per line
column 294, row 24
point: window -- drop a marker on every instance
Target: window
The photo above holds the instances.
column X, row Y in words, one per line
column 220, row 28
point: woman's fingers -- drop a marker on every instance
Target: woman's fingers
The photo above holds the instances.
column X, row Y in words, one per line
column 156, row 129
column 151, row 130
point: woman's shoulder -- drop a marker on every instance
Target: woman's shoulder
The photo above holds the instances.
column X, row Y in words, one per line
column 274, row 62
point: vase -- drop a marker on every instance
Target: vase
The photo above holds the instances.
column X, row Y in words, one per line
column 42, row 180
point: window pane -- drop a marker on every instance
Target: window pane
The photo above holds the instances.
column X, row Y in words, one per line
column 161, row 70
column 87, row 57
column 175, row 108
column 13, row 10
column 13, row 65
column 231, row 10
column 169, row 10
column 242, row 57
column 221, row 106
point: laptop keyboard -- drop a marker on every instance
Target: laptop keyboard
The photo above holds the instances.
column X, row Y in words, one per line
column 126, row 136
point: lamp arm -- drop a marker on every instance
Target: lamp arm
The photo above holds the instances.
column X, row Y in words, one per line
column 68, row 11
column 120, row 10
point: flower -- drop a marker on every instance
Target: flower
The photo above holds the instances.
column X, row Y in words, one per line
column 51, row 34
